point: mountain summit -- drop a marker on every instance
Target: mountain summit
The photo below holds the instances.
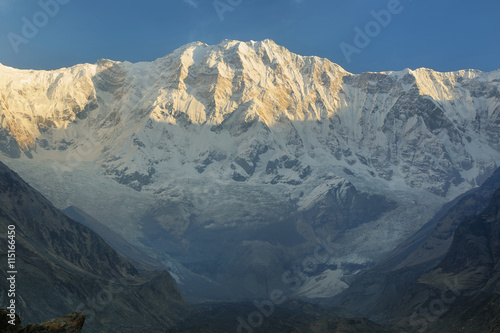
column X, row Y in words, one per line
column 226, row 143
column 395, row 125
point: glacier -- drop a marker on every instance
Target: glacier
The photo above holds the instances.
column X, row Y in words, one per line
column 232, row 159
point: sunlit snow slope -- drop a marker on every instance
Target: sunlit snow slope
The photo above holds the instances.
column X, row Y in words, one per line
column 254, row 149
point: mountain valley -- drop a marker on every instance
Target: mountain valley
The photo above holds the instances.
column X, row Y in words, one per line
column 242, row 168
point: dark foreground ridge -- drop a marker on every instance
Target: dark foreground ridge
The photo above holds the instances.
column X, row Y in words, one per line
column 64, row 266
column 71, row 323
column 291, row 317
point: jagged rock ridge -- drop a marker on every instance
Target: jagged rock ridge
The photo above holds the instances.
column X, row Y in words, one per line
column 227, row 143
column 420, row 126
column 71, row 323
column 64, row 266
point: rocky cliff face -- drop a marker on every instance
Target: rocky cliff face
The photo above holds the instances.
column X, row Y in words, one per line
column 474, row 255
column 62, row 266
column 430, row 289
column 373, row 293
column 71, row 323
column 418, row 126
column 222, row 143
column 465, row 283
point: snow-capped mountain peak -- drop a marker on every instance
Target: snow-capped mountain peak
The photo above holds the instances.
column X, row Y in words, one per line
column 243, row 134
column 235, row 85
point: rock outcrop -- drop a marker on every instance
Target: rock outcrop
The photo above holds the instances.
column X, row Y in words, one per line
column 71, row 323
column 220, row 143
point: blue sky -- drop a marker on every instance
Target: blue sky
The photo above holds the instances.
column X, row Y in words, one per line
column 444, row 35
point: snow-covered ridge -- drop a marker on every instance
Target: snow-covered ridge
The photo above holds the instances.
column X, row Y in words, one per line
column 252, row 142
column 393, row 125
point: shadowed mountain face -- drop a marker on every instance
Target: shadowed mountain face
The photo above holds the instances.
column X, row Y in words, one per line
column 292, row 317
column 473, row 260
column 62, row 266
column 373, row 293
column 233, row 164
column 463, row 290
column 139, row 258
column 427, row 286
column 419, row 127
column 254, row 148
column 474, row 255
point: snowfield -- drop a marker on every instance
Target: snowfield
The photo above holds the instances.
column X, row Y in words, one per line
column 222, row 145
